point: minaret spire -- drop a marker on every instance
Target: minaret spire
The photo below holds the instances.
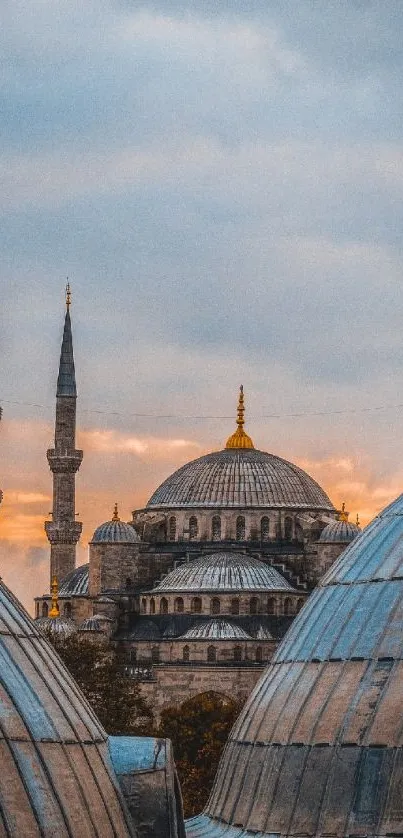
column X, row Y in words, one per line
column 63, row 531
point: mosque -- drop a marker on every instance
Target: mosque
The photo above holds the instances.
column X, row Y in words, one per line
column 197, row 590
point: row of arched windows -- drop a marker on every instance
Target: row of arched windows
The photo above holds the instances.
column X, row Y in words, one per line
column 255, row 606
column 211, row 654
column 240, row 528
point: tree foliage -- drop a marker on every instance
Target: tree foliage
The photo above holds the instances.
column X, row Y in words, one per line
column 116, row 700
column 199, row 729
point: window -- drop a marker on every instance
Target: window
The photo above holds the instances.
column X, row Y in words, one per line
column 288, row 528
column 128, row 582
column 216, row 528
column 300, row 603
column 143, row 605
column 234, row 606
column 259, row 655
column 155, row 654
column 288, row 606
column 211, row 654
column 152, row 606
column 237, row 653
column 240, row 528
column 271, row 605
column 215, row 606
column 67, row 609
column 278, row 530
column 193, row 528
column 37, row 609
column 196, row 605
column 133, row 655
column 163, row 605
column 265, row 529
column 186, row 654
column 179, row 605
column 172, row 528
column 253, row 605
column 45, row 609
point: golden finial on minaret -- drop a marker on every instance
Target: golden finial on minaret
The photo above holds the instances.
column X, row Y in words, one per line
column 68, row 295
column 240, row 439
column 55, row 610
column 357, row 520
column 343, row 515
column 115, row 516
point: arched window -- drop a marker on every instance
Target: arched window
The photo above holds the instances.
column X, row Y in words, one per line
column 67, row 609
column 288, row 606
column 155, row 654
column 143, row 605
column 163, row 605
column 237, row 653
column 211, row 654
column 152, row 606
column 234, row 606
column 240, row 528
column 172, row 528
column 278, row 530
column 253, row 605
column 186, row 654
column 128, row 582
column 196, row 605
column 215, row 606
column 259, row 655
column 271, row 605
column 300, row 603
column 45, row 609
column 133, row 655
column 193, row 528
column 216, row 528
column 37, row 609
column 288, row 528
column 265, row 529
column 179, row 605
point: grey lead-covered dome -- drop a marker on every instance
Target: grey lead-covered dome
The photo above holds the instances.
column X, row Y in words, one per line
column 56, row 775
column 115, row 532
column 76, row 582
column 224, row 572
column 339, row 532
column 240, row 478
column 60, row 626
column 216, row 629
column 318, row 748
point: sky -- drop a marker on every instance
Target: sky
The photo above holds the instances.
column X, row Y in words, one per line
column 222, row 184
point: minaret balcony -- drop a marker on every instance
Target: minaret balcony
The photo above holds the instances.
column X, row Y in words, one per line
column 64, row 463
column 66, row 532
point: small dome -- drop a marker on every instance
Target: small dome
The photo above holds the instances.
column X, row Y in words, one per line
column 263, row 634
column 216, row 629
column 61, row 626
column 94, row 623
column 224, row 572
column 339, row 532
column 75, row 583
column 115, row 532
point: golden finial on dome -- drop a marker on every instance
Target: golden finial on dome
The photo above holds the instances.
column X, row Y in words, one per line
column 54, row 589
column 343, row 515
column 115, row 516
column 240, row 439
column 68, row 295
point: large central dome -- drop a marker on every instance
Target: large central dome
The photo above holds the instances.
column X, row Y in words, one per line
column 240, row 477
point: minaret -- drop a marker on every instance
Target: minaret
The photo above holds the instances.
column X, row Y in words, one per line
column 63, row 531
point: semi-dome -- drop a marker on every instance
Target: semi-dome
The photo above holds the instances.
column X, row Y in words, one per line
column 60, row 626
column 76, row 582
column 216, row 629
column 318, row 748
column 341, row 531
column 224, row 572
column 115, row 532
column 95, row 623
column 56, row 773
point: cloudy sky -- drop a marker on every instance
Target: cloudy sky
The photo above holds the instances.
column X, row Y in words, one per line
column 222, row 183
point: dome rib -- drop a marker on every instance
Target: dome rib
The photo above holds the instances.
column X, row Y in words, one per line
column 238, row 478
column 224, row 572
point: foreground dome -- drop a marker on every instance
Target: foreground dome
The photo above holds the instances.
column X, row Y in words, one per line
column 224, row 572
column 56, row 775
column 318, row 748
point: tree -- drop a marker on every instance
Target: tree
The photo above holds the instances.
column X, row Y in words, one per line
column 199, row 729
column 116, row 700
